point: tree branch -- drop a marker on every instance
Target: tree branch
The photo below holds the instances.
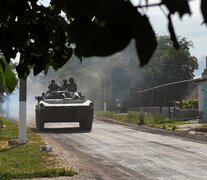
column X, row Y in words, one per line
column 149, row 5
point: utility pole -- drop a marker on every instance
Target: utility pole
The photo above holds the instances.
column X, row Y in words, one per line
column 105, row 86
column 22, row 111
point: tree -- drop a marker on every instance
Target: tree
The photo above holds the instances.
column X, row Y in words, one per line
column 123, row 74
column 167, row 66
column 45, row 36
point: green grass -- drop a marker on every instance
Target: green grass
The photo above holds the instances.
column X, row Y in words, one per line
column 152, row 120
column 26, row 161
column 123, row 117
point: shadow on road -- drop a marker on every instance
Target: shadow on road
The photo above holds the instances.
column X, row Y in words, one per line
column 68, row 130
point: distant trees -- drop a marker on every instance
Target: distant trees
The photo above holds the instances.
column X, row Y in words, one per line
column 167, row 65
column 124, row 76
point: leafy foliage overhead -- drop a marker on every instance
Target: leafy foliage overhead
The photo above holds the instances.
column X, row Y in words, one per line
column 44, row 36
column 180, row 6
column 204, row 10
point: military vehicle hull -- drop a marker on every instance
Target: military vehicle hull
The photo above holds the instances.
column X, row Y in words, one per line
column 64, row 110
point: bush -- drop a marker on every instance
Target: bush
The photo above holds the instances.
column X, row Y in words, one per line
column 132, row 116
column 1, row 127
column 174, row 128
column 156, row 119
column 141, row 119
column 1, row 123
column 188, row 104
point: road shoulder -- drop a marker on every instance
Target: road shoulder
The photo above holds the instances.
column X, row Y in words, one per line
column 181, row 134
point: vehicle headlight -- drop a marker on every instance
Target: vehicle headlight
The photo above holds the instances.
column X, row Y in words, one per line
column 42, row 106
column 91, row 104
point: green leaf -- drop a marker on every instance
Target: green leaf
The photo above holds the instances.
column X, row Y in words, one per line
column 172, row 33
column 118, row 11
column 2, row 64
column 204, row 10
column 180, row 6
column 46, row 70
column 58, row 4
column 77, row 8
column 82, row 32
column 146, row 41
column 23, row 70
column 110, row 39
column 61, row 56
column 96, row 40
column 38, row 68
column 41, row 63
column 9, row 80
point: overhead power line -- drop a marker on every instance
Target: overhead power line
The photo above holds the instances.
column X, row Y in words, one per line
column 168, row 84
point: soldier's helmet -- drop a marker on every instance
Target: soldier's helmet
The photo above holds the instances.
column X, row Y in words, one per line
column 71, row 80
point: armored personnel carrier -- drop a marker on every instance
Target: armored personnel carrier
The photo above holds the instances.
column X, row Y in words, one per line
column 63, row 106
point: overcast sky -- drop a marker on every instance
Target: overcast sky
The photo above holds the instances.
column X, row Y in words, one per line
column 189, row 27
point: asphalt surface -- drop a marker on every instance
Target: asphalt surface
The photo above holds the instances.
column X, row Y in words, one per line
column 114, row 151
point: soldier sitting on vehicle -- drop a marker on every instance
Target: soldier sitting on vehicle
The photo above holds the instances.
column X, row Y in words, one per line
column 51, row 93
column 53, row 86
column 64, row 85
column 71, row 90
column 72, row 86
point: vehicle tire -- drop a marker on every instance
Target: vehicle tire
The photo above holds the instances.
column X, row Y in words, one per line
column 87, row 125
column 39, row 121
column 81, row 125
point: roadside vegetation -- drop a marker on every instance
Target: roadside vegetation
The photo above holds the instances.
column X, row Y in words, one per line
column 152, row 120
column 191, row 103
column 27, row 160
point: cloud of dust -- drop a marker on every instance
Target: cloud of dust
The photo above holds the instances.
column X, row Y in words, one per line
column 35, row 87
column 103, row 79
column 98, row 79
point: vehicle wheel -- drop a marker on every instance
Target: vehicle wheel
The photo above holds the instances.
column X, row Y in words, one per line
column 81, row 125
column 87, row 125
column 39, row 121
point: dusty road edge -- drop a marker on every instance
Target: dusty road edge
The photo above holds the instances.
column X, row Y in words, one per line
column 184, row 135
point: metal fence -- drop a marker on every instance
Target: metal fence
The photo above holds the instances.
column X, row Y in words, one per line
column 171, row 112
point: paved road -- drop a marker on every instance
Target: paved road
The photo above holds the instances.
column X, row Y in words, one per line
column 129, row 153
